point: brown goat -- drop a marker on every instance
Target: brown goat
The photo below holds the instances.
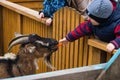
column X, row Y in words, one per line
column 32, row 47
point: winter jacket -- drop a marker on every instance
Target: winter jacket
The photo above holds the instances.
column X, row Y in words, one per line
column 51, row 6
column 108, row 31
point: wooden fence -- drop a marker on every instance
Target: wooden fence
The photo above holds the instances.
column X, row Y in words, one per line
column 33, row 4
column 16, row 18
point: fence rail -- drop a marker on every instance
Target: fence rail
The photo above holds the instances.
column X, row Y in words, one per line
column 33, row 4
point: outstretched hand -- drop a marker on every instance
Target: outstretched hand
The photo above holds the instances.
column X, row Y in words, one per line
column 63, row 41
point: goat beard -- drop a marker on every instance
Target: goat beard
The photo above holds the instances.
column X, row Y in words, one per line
column 48, row 61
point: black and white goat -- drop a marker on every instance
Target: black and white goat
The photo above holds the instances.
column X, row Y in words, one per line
column 23, row 63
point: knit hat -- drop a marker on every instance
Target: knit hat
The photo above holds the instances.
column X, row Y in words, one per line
column 99, row 10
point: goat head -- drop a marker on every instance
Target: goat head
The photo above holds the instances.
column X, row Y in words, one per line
column 41, row 47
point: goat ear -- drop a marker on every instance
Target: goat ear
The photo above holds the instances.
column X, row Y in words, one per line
column 31, row 49
column 17, row 34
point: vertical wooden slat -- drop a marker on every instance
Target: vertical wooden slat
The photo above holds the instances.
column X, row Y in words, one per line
column 68, row 46
column 108, row 56
column 1, row 31
column 72, row 22
column 64, row 24
column 10, row 26
column 85, row 54
column 90, row 56
column 81, row 46
column 96, row 56
column 44, row 35
column 57, row 36
column 54, row 36
column 76, row 53
column 33, row 4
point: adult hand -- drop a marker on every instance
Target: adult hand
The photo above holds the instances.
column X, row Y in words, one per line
column 110, row 47
column 48, row 21
column 41, row 15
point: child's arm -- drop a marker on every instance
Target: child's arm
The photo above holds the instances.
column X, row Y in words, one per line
column 114, row 44
column 80, row 31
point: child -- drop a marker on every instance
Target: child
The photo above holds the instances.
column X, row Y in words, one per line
column 104, row 22
column 50, row 7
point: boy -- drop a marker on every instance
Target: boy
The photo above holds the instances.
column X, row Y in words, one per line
column 104, row 22
column 50, row 7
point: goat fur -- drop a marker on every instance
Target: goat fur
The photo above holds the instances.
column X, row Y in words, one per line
column 24, row 62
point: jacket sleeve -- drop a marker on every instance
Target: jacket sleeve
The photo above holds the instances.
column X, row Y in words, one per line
column 78, row 32
column 116, row 41
column 51, row 7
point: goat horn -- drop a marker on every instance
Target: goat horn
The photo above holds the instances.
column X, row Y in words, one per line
column 17, row 34
column 18, row 40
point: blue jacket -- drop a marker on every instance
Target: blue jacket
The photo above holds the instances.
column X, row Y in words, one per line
column 51, row 6
column 108, row 31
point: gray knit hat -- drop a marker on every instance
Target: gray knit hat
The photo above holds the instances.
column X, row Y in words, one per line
column 100, row 10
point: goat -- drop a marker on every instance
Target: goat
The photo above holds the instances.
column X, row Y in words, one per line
column 23, row 63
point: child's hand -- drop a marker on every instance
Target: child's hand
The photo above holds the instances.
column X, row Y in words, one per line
column 63, row 41
column 110, row 47
column 41, row 15
column 48, row 21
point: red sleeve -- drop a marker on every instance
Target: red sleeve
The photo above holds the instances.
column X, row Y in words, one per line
column 114, row 4
column 116, row 41
column 80, row 31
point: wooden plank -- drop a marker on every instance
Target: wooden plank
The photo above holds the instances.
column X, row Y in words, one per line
column 85, row 54
column 81, row 47
column 11, row 24
column 76, row 53
column 57, row 38
column 83, row 73
column 68, row 46
column 1, row 30
column 96, row 56
column 24, row 0
column 54, row 36
column 72, row 44
column 64, row 29
column 22, row 10
column 33, row 5
column 108, row 56
column 90, row 56
column 98, row 44
column 60, row 29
